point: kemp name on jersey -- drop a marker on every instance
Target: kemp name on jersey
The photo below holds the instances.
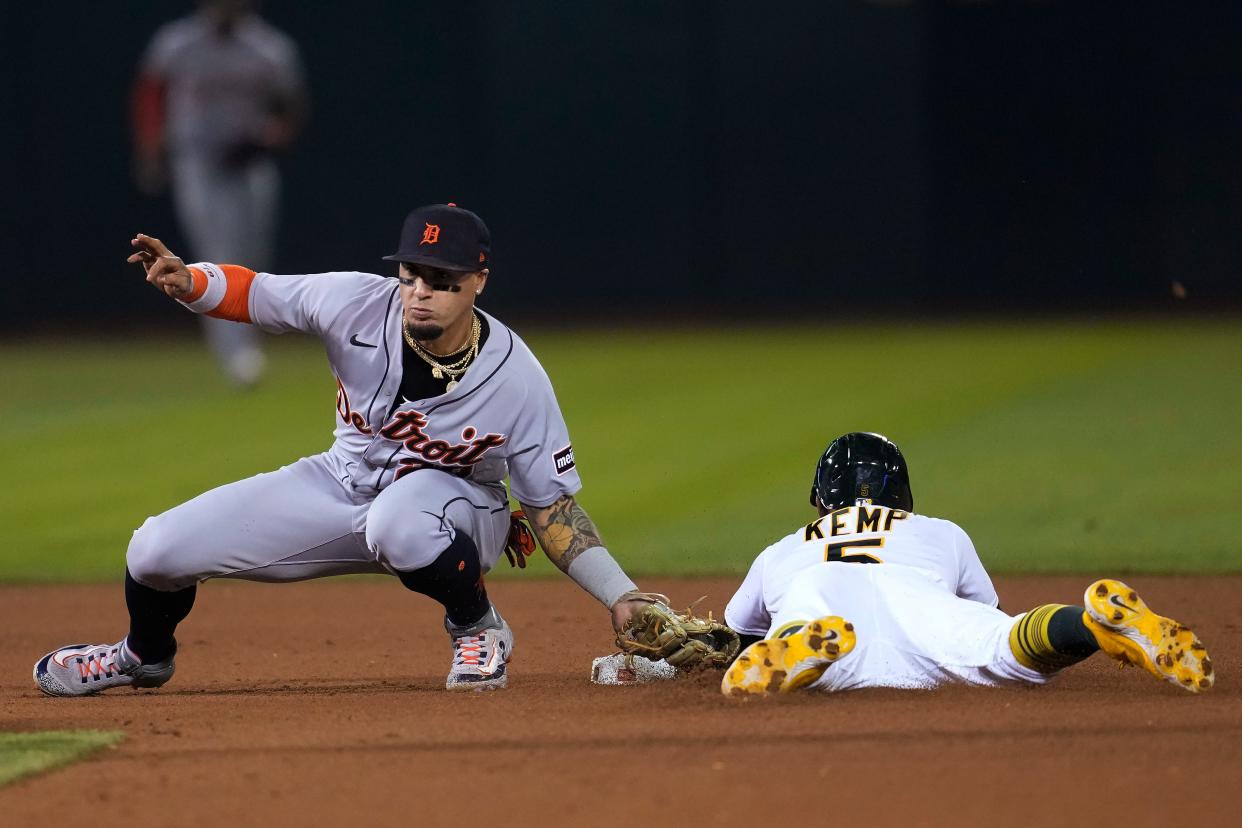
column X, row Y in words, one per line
column 938, row 550
column 854, row 520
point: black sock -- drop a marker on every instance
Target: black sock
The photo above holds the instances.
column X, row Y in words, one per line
column 455, row 579
column 1068, row 634
column 153, row 617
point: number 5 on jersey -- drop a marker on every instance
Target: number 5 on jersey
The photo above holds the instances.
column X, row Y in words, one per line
column 838, row 552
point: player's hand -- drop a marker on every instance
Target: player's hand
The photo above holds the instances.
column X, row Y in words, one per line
column 623, row 610
column 164, row 270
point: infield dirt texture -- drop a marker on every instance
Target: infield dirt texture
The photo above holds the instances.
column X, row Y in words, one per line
column 322, row 704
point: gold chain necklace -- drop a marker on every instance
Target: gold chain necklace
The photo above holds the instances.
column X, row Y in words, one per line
column 453, row 370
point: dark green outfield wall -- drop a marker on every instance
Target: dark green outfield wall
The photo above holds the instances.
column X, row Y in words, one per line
column 675, row 155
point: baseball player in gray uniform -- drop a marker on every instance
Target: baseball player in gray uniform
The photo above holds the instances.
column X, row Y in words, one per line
column 217, row 94
column 437, row 403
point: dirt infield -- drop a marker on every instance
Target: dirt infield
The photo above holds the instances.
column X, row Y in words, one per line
column 322, row 703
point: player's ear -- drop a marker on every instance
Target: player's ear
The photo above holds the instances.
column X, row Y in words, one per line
column 483, row 274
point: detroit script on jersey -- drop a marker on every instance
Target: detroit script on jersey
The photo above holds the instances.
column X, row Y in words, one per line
column 502, row 420
column 411, row 429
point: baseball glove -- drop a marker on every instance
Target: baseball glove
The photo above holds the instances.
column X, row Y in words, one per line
column 520, row 544
column 685, row 641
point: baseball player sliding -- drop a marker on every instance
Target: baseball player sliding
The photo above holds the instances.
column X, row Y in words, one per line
column 872, row 595
column 437, row 403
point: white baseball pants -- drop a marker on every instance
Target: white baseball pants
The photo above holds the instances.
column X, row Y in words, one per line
column 912, row 632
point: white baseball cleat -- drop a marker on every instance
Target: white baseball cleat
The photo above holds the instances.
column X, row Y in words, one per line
column 87, row 669
column 481, row 653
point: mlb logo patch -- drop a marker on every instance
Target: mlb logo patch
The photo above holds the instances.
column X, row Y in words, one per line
column 563, row 459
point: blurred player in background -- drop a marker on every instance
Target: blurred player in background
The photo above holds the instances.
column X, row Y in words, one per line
column 218, row 94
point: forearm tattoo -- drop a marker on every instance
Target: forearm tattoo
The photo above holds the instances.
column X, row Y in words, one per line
column 564, row 530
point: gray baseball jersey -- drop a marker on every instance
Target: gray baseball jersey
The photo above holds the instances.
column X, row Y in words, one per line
column 401, row 478
column 501, row 420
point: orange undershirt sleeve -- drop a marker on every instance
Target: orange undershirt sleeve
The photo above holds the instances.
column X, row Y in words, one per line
column 235, row 305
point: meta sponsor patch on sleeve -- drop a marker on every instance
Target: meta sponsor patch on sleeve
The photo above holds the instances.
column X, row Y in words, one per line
column 564, row 459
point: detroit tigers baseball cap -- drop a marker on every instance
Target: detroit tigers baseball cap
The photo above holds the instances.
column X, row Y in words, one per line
column 444, row 236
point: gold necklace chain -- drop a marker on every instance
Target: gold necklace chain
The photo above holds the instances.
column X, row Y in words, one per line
column 453, row 370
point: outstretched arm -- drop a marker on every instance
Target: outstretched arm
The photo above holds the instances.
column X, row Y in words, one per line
column 228, row 297
column 568, row 536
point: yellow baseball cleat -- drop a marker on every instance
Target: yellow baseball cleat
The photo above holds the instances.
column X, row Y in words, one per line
column 782, row 665
column 1128, row 631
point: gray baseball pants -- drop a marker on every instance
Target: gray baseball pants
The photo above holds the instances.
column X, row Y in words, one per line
column 301, row 522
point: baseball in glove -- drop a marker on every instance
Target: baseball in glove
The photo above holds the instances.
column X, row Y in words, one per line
column 685, row 641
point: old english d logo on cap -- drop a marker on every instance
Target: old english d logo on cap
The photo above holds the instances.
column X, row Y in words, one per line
column 444, row 236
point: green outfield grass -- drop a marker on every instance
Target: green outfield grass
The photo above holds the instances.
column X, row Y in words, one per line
column 22, row 754
column 1087, row 447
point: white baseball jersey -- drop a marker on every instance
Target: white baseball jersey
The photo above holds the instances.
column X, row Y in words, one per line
column 923, row 607
column 219, row 89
